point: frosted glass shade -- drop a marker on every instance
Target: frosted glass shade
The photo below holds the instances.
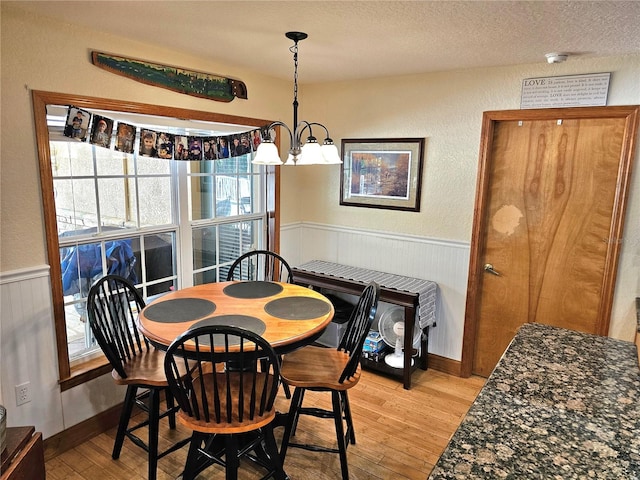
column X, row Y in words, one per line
column 330, row 154
column 267, row 154
column 311, row 154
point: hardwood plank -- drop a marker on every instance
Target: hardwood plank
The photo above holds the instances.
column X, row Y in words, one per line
column 399, row 434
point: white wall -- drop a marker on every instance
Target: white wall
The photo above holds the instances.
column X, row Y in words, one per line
column 446, row 108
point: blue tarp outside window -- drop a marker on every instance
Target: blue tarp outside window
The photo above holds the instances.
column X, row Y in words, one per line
column 82, row 264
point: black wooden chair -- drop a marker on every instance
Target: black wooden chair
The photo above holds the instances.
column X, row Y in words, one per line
column 227, row 399
column 327, row 370
column 260, row 265
column 112, row 306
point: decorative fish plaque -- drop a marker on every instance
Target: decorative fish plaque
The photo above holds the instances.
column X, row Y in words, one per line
column 189, row 82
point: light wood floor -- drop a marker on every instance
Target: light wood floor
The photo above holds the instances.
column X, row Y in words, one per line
column 399, row 435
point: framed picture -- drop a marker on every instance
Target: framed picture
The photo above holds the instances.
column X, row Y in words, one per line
column 382, row 173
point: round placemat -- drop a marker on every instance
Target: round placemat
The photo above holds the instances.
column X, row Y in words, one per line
column 297, row 308
column 252, row 324
column 179, row 310
column 252, row 289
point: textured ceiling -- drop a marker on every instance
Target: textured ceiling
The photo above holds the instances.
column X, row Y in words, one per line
column 363, row 39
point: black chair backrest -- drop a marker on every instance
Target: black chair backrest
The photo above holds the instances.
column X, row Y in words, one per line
column 260, row 265
column 358, row 328
column 234, row 374
column 112, row 307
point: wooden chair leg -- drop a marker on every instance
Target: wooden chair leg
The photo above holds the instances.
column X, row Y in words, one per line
column 154, row 421
column 287, row 390
column 127, row 408
column 193, row 456
column 297, row 415
column 347, row 415
column 231, row 457
column 170, row 405
column 292, row 418
column 342, row 446
column 272, row 452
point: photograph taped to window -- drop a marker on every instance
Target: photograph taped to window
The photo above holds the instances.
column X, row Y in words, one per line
column 209, row 150
column 181, row 148
column 125, row 136
column 165, row 145
column 77, row 124
column 147, row 146
column 101, row 131
column 195, row 149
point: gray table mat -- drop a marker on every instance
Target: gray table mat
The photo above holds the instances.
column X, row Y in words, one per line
column 252, row 289
column 297, row 308
column 246, row 322
column 179, row 310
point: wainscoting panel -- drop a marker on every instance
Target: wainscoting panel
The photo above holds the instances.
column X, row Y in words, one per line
column 28, row 350
column 444, row 262
column 28, row 354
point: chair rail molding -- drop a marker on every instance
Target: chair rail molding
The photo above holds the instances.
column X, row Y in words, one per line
column 23, row 274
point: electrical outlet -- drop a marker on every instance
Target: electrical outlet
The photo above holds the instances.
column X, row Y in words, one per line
column 23, row 393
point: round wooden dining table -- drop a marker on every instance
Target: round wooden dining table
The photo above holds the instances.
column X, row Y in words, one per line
column 288, row 316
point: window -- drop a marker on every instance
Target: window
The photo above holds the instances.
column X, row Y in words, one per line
column 163, row 224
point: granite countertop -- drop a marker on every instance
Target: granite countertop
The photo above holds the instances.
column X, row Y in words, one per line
column 559, row 405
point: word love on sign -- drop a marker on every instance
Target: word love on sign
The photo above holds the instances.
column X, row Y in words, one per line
column 568, row 91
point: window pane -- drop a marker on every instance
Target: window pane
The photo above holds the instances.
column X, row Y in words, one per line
column 244, row 164
column 151, row 166
column 111, row 162
column 60, row 160
column 75, row 204
column 157, row 259
column 226, row 165
column 246, row 198
column 114, row 210
column 155, row 200
column 252, row 237
column 204, row 247
column 200, row 197
column 81, row 159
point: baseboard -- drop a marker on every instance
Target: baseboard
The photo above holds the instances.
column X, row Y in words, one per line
column 445, row 365
column 82, row 432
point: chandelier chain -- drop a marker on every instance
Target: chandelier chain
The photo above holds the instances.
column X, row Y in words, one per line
column 294, row 50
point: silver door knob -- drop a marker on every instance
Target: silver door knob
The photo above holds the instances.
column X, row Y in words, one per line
column 489, row 268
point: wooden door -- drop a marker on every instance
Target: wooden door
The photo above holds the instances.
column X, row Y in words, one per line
column 552, row 186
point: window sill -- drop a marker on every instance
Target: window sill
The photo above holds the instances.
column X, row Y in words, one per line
column 84, row 372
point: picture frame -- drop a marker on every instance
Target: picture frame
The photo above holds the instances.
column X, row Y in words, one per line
column 382, row 173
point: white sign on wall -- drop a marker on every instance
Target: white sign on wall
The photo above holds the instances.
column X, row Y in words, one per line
column 568, row 91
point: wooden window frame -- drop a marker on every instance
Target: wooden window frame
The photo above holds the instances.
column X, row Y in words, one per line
column 71, row 376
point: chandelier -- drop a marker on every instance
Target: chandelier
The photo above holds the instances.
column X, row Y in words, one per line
column 311, row 153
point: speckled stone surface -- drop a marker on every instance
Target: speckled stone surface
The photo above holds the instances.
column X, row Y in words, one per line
column 559, row 405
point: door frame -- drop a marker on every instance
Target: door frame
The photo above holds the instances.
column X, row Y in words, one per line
column 630, row 114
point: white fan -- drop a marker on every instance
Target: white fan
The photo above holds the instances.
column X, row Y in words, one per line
column 391, row 327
